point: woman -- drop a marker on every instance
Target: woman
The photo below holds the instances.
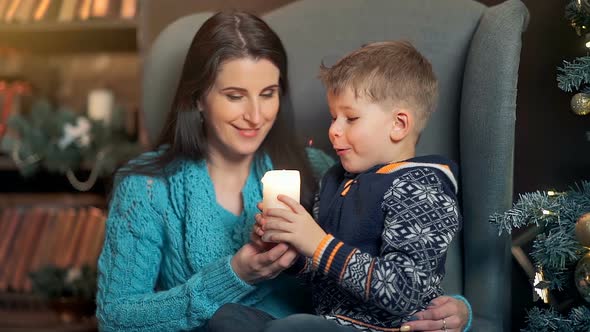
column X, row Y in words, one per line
column 176, row 246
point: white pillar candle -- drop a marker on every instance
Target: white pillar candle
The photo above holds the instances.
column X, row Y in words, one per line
column 100, row 105
column 274, row 183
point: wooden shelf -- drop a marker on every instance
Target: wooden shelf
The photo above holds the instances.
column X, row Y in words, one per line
column 7, row 164
column 51, row 200
column 78, row 36
column 28, row 312
column 12, row 182
column 70, row 26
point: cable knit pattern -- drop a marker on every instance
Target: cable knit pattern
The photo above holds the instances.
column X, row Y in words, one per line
column 165, row 264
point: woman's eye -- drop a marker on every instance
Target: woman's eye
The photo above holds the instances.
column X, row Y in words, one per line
column 234, row 97
column 268, row 94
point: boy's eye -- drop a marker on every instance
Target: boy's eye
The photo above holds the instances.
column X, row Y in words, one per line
column 234, row 97
column 352, row 119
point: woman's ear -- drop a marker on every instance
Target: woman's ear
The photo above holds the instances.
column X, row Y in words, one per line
column 402, row 123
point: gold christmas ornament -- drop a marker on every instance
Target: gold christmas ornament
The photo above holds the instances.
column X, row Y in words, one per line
column 582, row 277
column 583, row 229
column 580, row 103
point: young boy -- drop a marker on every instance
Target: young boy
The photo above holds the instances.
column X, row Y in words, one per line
column 385, row 218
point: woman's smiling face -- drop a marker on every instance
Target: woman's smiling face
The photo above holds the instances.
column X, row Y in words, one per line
column 241, row 106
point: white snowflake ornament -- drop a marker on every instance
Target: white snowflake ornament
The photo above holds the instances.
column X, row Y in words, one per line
column 79, row 133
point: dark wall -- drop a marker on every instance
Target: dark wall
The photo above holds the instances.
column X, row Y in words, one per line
column 551, row 144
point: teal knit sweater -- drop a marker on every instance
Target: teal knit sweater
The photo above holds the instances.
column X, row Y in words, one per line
column 165, row 264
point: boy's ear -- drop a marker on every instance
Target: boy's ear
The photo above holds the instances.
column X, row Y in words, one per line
column 402, row 124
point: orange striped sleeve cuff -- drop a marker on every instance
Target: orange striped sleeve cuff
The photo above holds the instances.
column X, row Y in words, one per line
column 334, row 257
column 319, row 251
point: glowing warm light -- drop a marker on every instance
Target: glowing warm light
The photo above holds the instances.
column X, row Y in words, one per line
column 41, row 10
column 543, row 293
column 128, row 9
column 85, row 8
column 286, row 182
column 100, row 8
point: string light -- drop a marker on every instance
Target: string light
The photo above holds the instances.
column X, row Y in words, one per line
column 553, row 193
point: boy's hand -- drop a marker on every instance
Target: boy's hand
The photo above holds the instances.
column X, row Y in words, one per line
column 296, row 227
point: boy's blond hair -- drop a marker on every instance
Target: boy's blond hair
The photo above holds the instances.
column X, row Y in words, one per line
column 391, row 72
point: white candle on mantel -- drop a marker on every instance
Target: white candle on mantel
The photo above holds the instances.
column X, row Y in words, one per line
column 274, row 183
column 100, row 105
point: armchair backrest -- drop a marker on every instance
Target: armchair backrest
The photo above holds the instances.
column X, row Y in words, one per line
column 475, row 53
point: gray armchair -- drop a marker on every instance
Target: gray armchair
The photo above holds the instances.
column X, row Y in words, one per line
column 475, row 52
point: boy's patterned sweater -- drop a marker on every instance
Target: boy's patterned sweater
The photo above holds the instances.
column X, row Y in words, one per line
column 388, row 232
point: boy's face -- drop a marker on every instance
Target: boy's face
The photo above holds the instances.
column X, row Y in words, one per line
column 360, row 131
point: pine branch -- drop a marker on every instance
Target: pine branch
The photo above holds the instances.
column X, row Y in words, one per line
column 574, row 75
column 546, row 320
column 557, row 279
column 557, row 250
column 556, row 253
column 580, row 193
column 527, row 210
column 580, row 318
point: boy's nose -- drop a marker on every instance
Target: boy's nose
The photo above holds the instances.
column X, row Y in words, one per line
column 334, row 130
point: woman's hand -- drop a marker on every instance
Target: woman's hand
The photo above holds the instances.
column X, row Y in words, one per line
column 256, row 239
column 444, row 313
column 253, row 263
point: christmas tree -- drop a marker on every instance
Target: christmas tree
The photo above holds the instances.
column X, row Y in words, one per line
column 559, row 222
column 574, row 76
column 560, row 255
